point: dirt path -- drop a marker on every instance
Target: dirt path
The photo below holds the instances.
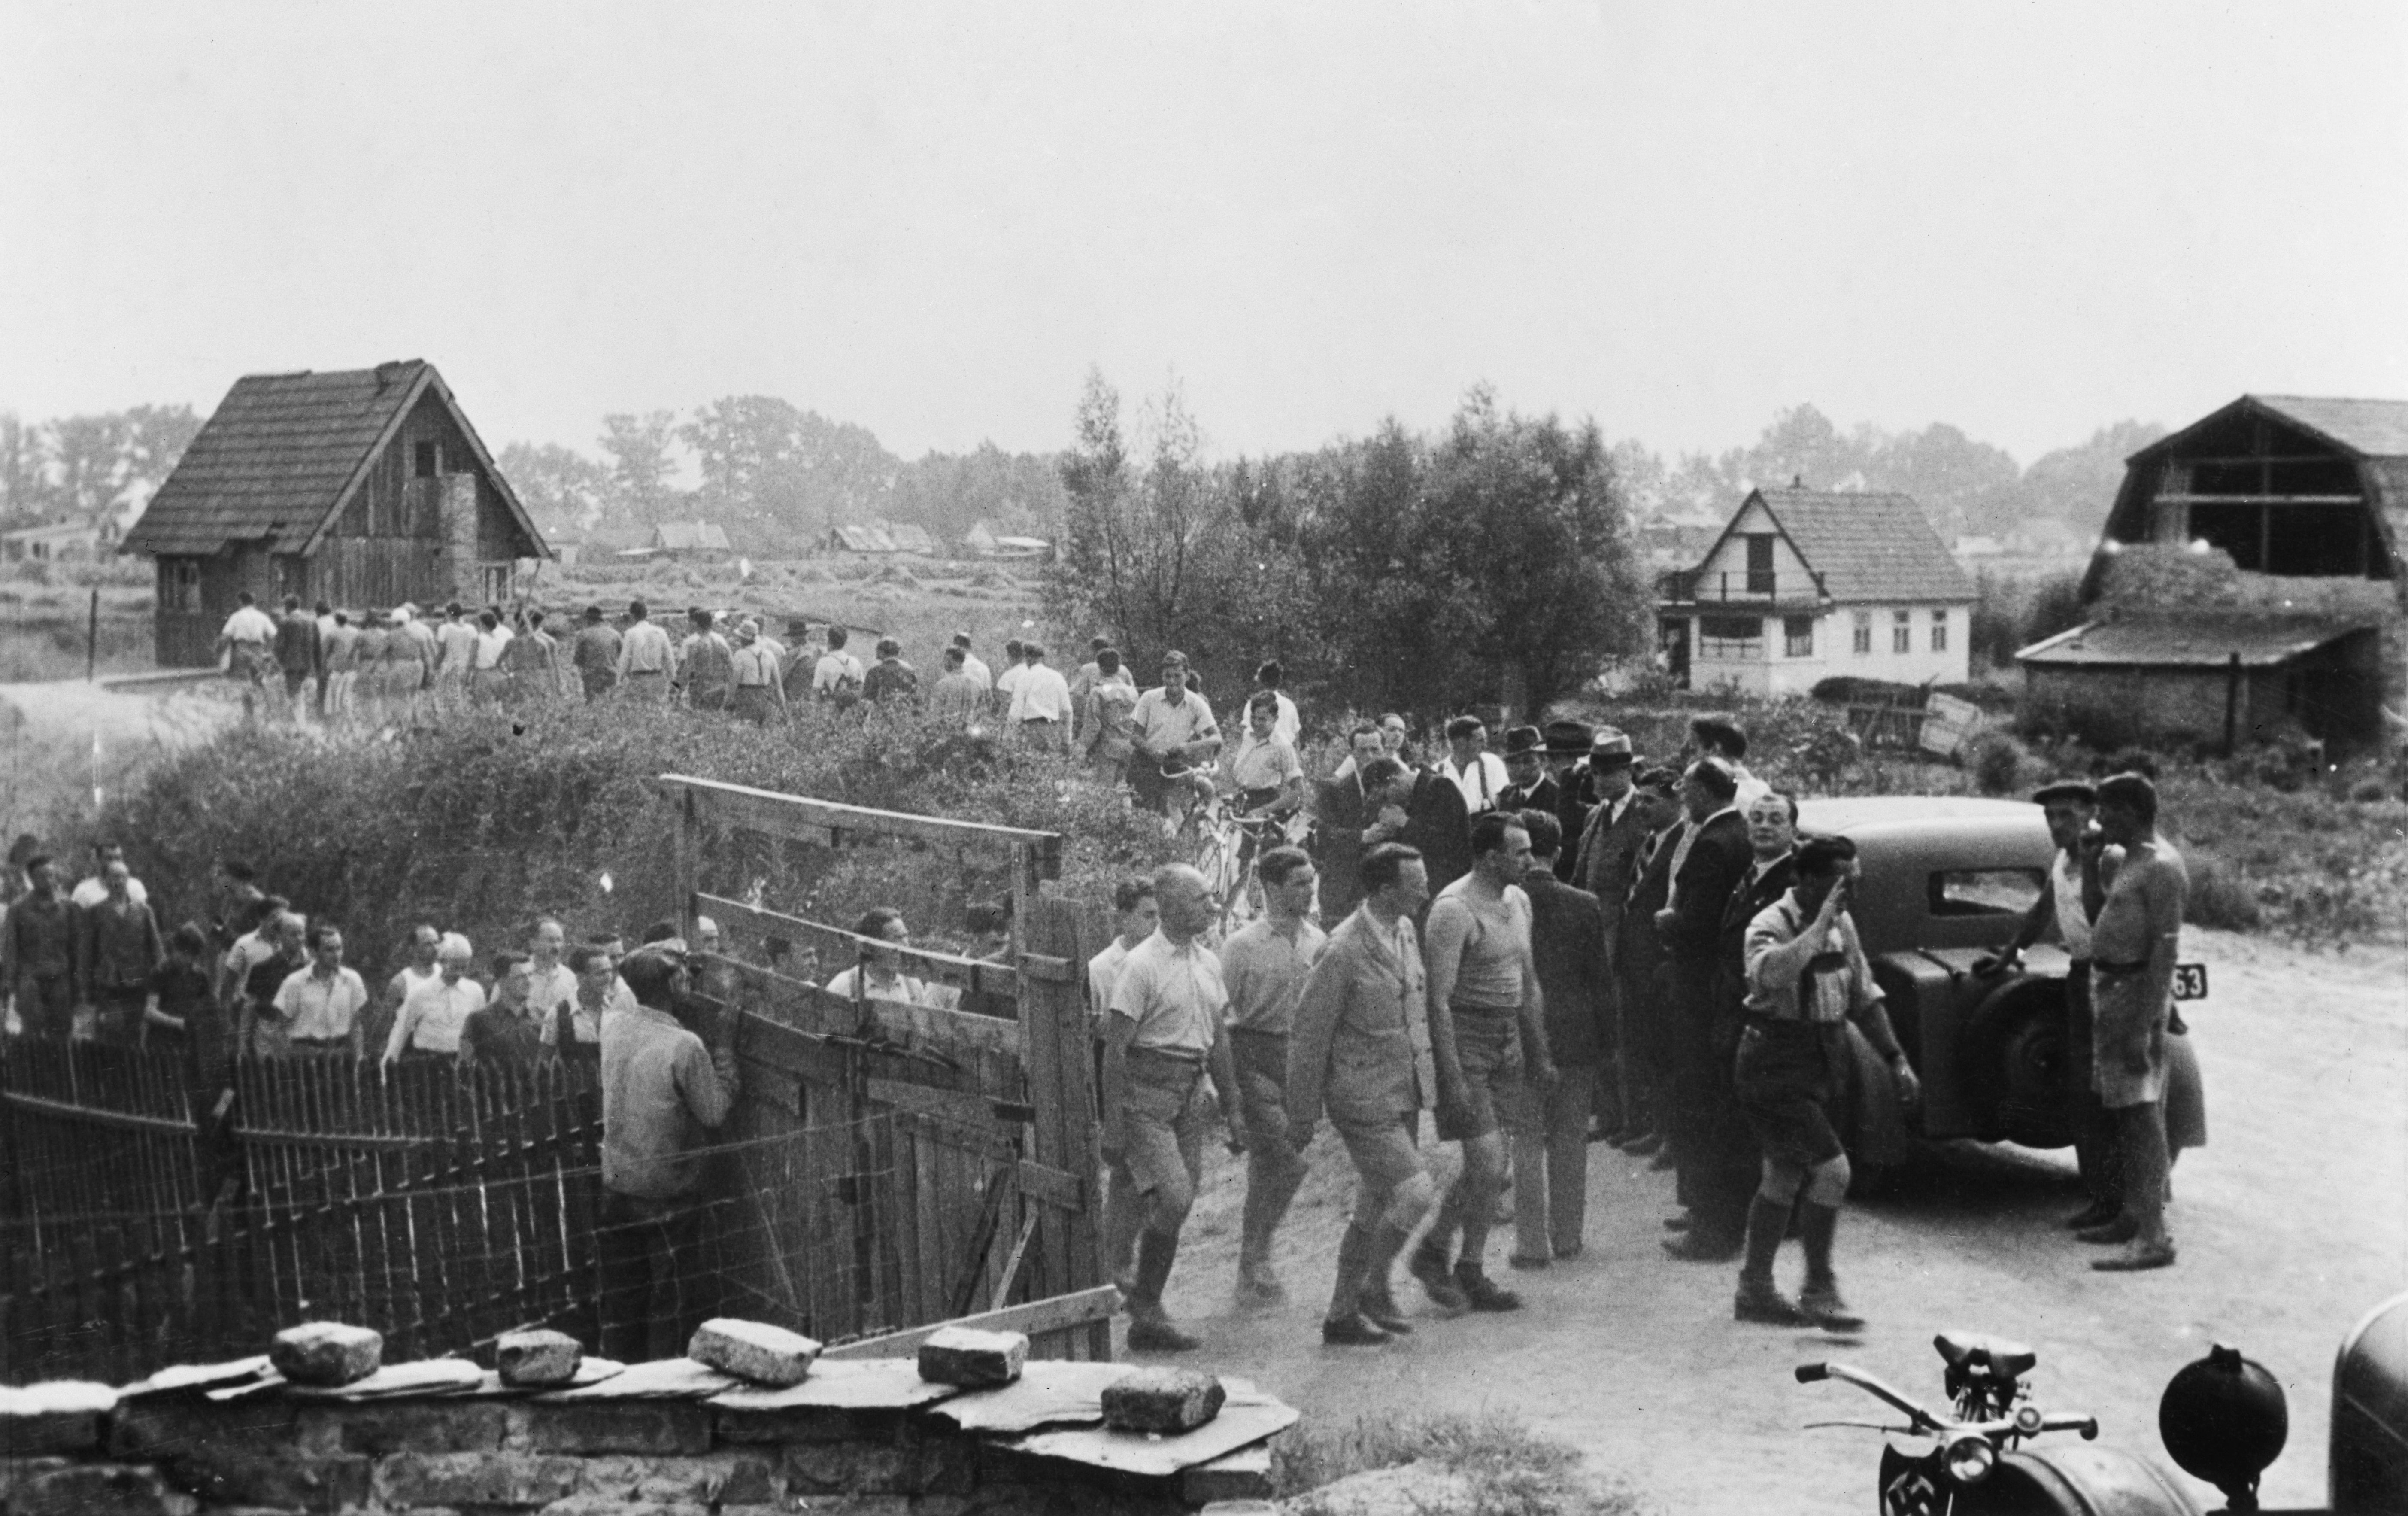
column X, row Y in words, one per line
column 2291, row 1222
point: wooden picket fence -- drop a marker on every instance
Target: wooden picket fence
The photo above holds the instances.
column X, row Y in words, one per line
column 140, row 1226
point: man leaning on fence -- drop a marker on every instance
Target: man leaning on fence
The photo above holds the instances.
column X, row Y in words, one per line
column 661, row 1091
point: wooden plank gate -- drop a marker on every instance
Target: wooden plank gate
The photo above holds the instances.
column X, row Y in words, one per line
column 903, row 1164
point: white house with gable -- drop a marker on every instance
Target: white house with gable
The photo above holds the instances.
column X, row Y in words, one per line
column 1803, row 584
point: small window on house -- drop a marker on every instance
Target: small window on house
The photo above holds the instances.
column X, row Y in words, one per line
column 426, row 459
column 1901, row 631
column 1759, row 563
column 1730, row 637
column 493, row 583
column 1864, row 632
column 1798, row 635
column 179, row 584
column 1940, row 631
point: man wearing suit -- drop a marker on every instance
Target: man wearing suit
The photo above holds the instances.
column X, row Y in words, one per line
column 1361, row 1052
column 1533, row 789
column 1569, row 744
column 1341, row 813
column 1726, row 1159
column 1609, row 850
column 1641, row 974
column 1550, row 1149
column 1707, row 865
column 1423, row 809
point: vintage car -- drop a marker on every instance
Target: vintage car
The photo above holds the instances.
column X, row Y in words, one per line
column 1947, row 880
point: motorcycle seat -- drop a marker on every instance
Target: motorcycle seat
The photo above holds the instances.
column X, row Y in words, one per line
column 1971, row 1350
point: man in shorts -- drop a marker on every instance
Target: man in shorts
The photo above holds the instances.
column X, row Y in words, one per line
column 1263, row 966
column 248, row 640
column 1163, row 1035
column 2132, row 948
column 1807, row 977
column 1361, row 1051
column 1490, row 1042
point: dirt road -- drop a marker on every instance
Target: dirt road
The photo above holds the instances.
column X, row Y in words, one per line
column 2291, row 1222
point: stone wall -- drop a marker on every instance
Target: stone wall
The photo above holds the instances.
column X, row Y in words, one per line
column 490, row 1454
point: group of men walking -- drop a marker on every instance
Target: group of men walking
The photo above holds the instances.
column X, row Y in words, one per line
column 1677, row 971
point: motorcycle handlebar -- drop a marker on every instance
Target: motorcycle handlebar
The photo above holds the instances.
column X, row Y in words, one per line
column 1810, row 1373
column 2066, row 1422
column 1922, row 1419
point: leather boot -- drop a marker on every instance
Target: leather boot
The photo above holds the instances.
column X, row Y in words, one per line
column 1151, row 1328
column 1354, row 1261
column 1377, row 1302
column 1760, row 1299
column 1817, row 1227
column 1429, row 1266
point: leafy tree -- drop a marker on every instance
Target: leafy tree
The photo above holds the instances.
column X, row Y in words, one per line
column 780, row 476
column 641, row 494
column 23, row 458
column 567, row 492
column 1014, row 494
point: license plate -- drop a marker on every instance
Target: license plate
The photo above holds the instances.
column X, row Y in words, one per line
column 2191, row 981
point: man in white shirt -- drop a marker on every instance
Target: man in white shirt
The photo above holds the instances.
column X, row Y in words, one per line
column 1290, row 726
column 455, row 642
column 550, row 981
column 973, row 665
column 320, row 1006
column 429, row 1024
column 1007, row 682
column 92, row 891
column 837, row 675
column 247, row 643
column 646, row 659
column 1162, row 1037
column 1169, row 721
column 1136, row 917
column 1040, row 703
column 1479, row 774
column 488, row 669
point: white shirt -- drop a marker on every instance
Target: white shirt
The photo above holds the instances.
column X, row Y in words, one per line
column 2072, row 922
column 834, row 669
column 92, row 892
column 458, row 639
column 1042, row 695
column 583, row 1025
column 489, row 648
column 432, row 1017
column 1008, row 682
column 644, row 648
column 546, row 990
column 1103, row 973
column 1286, row 725
column 901, row 987
column 1174, row 994
column 248, row 624
column 978, row 670
column 1481, row 780
column 322, row 1010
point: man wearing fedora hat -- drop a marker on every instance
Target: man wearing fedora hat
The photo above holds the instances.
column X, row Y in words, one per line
column 1531, row 787
column 1567, row 744
column 1607, row 864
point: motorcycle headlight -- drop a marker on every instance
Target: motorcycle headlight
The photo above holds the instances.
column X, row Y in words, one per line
column 1970, row 1460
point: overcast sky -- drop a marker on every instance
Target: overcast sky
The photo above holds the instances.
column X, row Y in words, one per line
column 2027, row 220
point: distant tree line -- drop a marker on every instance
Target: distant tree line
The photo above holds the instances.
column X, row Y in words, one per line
column 89, row 465
column 1490, row 563
column 776, row 477
column 1966, row 487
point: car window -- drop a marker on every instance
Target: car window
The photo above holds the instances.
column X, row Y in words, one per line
column 1959, row 892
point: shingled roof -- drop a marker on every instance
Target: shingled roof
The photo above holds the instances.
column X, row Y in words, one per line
column 2372, row 429
column 1864, row 546
column 2194, row 640
column 282, row 454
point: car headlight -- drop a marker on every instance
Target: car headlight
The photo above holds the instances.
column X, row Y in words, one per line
column 1970, row 1460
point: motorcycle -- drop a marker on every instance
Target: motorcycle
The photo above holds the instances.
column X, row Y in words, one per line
column 1978, row 1464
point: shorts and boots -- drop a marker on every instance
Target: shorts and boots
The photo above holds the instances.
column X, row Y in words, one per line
column 1784, row 1077
column 1494, row 1109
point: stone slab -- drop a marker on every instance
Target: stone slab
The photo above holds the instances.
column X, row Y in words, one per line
column 427, row 1377
column 186, row 1378
column 664, row 1379
column 62, row 1416
column 1232, row 1478
column 1143, row 1454
column 326, row 1352
column 1049, row 1392
column 1166, row 1401
column 753, row 1351
column 546, row 1359
column 973, row 1358
column 845, row 1384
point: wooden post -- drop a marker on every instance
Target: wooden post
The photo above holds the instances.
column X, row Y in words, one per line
column 684, row 855
column 91, row 639
column 2231, row 704
column 1057, row 1054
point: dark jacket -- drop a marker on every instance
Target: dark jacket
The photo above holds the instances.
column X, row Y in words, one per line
column 1636, row 949
column 1608, row 860
column 1568, row 941
column 1437, row 823
column 1731, row 964
column 1339, row 814
column 1718, row 861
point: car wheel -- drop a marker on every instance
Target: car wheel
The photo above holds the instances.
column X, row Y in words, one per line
column 2030, row 1073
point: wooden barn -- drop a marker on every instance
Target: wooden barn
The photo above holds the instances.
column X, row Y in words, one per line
column 364, row 489
column 2250, row 581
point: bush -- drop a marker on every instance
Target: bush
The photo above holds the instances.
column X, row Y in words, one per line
column 1997, row 761
column 2219, row 898
column 493, row 819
